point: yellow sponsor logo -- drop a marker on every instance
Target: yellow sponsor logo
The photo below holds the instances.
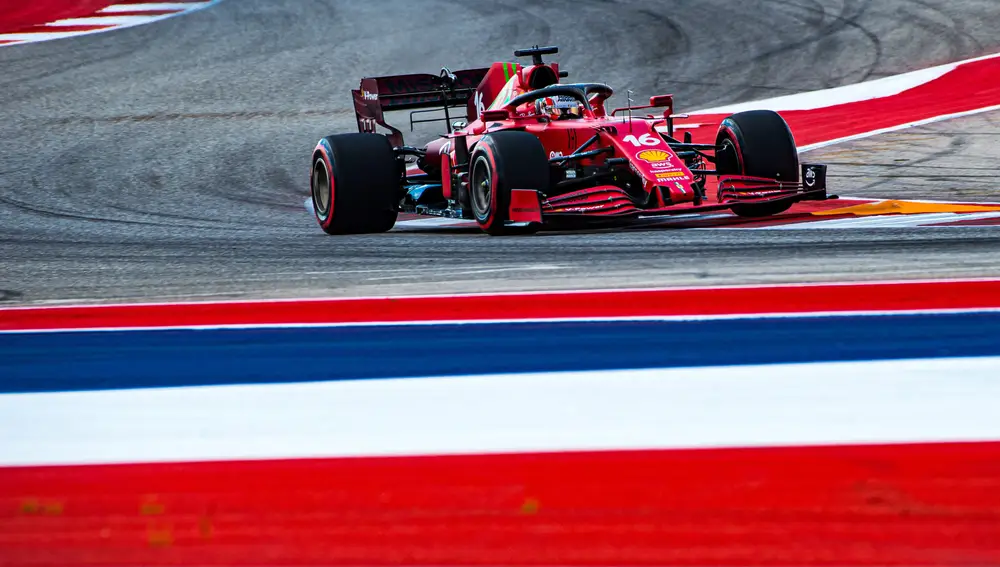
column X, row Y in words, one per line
column 652, row 156
column 672, row 175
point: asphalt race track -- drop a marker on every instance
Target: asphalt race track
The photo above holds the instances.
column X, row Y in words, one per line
column 170, row 160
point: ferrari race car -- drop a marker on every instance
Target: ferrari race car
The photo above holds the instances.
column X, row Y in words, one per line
column 528, row 152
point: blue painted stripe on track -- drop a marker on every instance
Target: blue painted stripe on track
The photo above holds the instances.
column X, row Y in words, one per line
column 38, row 362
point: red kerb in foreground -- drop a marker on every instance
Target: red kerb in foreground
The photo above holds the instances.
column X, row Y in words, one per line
column 593, row 304
column 833, row 506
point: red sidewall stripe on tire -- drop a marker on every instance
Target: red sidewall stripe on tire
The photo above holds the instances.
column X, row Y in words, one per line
column 738, row 148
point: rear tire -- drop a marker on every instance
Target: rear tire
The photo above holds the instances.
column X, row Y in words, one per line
column 757, row 143
column 355, row 184
column 500, row 162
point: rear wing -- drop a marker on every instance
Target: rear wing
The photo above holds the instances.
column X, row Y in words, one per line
column 415, row 92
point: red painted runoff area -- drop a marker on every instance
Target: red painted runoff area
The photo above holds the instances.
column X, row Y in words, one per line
column 20, row 14
column 31, row 16
column 925, row 504
column 978, row 82
column 897, row 296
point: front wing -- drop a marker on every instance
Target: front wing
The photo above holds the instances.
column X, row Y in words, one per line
column 610, row 203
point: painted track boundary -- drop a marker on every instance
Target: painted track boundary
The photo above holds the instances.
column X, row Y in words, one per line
column 608, row 304
column 115, row 16
column 832, row 116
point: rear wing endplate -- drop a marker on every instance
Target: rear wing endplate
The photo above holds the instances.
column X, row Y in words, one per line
column 419, row 91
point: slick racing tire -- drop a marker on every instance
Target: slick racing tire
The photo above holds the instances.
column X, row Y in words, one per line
column 500, row 162
column 757, row 143
column 355, row 184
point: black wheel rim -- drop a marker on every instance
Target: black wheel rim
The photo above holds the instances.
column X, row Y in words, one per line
column 481, row 189
column 726, row 158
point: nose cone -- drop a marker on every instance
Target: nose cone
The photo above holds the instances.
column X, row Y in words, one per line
column 662, row 168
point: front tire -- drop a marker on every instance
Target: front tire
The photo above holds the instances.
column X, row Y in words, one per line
column 355, row 184
column 500, row 162
column 757, row 143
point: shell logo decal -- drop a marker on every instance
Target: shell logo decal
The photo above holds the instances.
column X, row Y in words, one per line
column 653, row 156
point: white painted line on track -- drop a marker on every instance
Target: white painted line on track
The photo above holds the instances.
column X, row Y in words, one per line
column 931, row 201
column 151, row 7
column 878, row 221
column 101, row 21
column 859, row 92
column 899, row 401
column 881, row 221
column 931, row 218
column 879, row 88
column 970, row 217
column 830, row 224
column 21, row 38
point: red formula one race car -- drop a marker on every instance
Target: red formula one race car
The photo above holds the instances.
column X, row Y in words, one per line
column 530, row 152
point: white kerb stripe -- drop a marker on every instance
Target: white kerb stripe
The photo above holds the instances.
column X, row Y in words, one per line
column 931, row 400
column 878, row 88
column 152, row 7
column 100, row 21
column 882, row 221
column 40, row 36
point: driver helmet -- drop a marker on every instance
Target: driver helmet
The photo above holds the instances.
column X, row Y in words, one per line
column 559, row 107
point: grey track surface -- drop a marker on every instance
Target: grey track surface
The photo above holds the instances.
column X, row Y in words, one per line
column 170, row 161
column 955, row 160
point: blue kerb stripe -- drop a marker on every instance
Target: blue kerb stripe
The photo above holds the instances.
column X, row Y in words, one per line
column 122, row 359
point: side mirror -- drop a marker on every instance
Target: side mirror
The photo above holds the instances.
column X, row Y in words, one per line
column 459, row 124
column 661, row 100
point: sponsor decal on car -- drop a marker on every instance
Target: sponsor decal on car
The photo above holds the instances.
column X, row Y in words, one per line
column 584, row 209
column 664, row 166
column 653, row 156
column 676, row 174
column 810, row 177
column 659, row 160
column 369, row 96
column 480, row 105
